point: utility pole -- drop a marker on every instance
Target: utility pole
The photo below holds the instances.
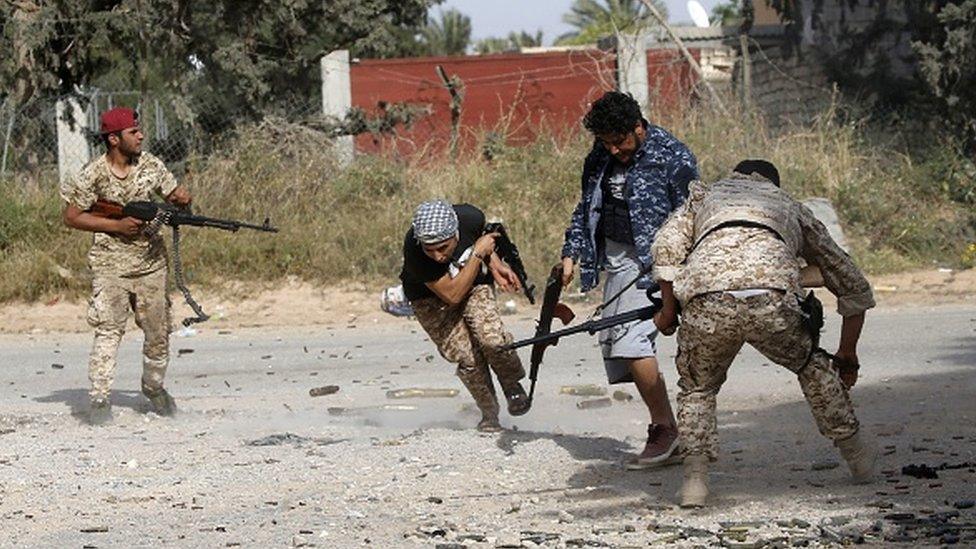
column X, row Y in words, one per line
column 455, row 87
column 688, row 57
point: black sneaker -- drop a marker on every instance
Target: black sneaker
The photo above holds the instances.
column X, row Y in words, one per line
column 162, row 403
column 100, row 411
column 518, row 400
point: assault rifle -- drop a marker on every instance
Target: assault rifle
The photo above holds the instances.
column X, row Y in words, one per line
column 507, row 251
column 156, row 215
column 551, row 309
column 593, row 326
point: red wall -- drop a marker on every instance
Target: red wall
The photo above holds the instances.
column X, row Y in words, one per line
column 515, row 95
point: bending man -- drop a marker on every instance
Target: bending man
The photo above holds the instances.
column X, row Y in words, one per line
column 449, row 269
column 730, row 258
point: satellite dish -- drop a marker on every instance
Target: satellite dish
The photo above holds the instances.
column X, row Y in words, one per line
column 698, row 14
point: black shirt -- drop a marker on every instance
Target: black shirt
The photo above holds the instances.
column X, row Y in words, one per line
column 615, row 215
column 419, row 269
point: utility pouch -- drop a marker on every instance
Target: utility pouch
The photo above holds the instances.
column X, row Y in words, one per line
column 811, row 310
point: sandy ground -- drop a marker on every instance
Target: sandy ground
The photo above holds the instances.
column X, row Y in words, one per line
column 295, row 303
column 252, row 460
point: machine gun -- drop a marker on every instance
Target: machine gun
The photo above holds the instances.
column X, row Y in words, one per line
column 167, row 214
column 508, row 252
column 156, row 215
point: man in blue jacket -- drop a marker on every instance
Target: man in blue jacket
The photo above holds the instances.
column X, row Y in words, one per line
column 633, row 178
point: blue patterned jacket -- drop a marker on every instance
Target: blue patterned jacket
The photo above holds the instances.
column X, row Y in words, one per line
column 657, row 184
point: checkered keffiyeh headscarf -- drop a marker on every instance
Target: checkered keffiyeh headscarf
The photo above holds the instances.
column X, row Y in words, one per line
column 434, row 221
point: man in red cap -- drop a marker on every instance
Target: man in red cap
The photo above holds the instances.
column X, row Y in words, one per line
column 129, row 267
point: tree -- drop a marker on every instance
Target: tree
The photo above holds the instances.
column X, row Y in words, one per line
column 449, row 36
column 947, row 65
column 514, row 42
column 728, row 14
column 245, row 54
column 594, row 19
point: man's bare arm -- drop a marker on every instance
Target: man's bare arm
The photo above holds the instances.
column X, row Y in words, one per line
column 180, row 196
column 453, row 290
column 76, row 218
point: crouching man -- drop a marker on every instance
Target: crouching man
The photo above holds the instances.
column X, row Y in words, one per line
column 449, row 272
column 730, row 257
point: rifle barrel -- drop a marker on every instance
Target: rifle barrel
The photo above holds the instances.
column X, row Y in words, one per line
column 591, row 326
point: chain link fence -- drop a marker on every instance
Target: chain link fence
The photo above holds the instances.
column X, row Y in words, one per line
column 55, row 136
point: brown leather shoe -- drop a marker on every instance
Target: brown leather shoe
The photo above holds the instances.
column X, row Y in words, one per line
column 662, row 449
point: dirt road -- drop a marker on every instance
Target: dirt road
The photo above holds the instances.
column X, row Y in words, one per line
column 253, row 460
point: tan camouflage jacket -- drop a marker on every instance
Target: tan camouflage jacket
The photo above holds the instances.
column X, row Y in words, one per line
column 116, row 255
column 740, row 258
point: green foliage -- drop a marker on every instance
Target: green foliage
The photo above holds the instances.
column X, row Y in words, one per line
column 514, row 42
column 451, row 35
column 727, row 14
column 940, row 81
column 594, row 19
column 250, row 54
column 947, row 64
column 899, row 210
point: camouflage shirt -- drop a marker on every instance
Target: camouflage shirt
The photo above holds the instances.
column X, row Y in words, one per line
column 656, row 184
column 740, row 258
column 112, row 254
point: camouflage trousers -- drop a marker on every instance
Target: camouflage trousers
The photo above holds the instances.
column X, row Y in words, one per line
column 713, row 329
column 112, row 299
column 471, row 335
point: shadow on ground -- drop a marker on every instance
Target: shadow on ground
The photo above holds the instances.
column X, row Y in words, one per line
column 77, row 401
column 777, row 452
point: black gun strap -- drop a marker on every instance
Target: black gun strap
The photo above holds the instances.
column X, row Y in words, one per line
column 178, row 276
column 620, row 292
column 735, row 223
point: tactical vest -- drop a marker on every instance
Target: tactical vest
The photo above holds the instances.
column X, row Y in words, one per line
column 742, row 201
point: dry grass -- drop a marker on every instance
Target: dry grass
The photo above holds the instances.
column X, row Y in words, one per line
column 347, row 225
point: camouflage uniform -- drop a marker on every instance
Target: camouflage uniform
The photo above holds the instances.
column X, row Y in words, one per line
column 471, row 335
column 128, row 272
column 741, row 285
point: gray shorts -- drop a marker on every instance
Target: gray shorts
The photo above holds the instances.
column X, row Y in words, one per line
column 626, row 342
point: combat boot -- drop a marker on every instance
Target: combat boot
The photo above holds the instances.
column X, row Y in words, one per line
column 484, row 397
column 489, row 424
column 860, row 456
column 518, row 400
column 694, row 489
column 161, row 403
column 100, row 411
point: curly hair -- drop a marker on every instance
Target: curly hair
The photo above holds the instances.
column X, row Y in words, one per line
column 614, row 113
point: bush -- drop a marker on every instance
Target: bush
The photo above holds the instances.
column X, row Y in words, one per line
column 900, row 210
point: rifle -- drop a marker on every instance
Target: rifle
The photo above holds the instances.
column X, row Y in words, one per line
column 156, row 215
column 551, row 308
column 594, row 326
column 171, row 215
column 508, row 252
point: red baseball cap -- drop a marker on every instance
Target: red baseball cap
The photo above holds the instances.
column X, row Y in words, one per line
column 118, row 119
